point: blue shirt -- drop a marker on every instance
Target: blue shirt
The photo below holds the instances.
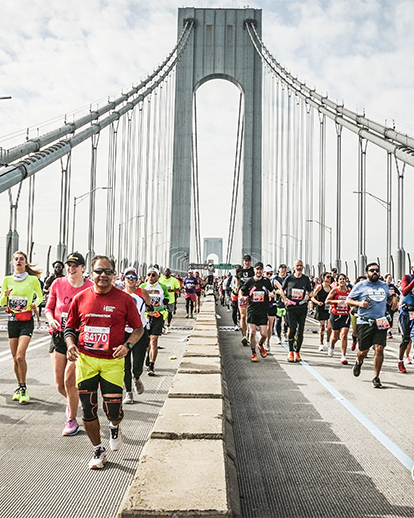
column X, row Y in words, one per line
column 377, row 292
column 190, row 284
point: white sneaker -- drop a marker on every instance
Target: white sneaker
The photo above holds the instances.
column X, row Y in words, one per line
column 266, row 345
column 279, row 341
column 344, row 361
column 139, row 386
column 330, row 351
column 128, row 399
column 320, row 347
column 99, row 459
column 115, row 438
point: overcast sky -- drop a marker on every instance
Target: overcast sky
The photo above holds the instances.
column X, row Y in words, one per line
column 58, row 57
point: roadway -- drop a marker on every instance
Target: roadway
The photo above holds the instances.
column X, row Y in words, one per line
column 45, row 475
column 314, row 441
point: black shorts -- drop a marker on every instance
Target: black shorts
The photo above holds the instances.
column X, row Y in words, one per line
column 272, row 311
column 156, row 325
column 258, row 320
column 339, row 321
column 370, row 335
column 57, row 343
column 17, row 328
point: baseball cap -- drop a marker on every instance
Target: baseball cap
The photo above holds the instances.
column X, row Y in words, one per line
column 130, row 269
column 76, row 258
column 268, row 269
column 58, row 262
column 247, row 257
column 259, row 264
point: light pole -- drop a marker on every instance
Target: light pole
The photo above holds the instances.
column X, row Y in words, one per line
column 329, row 229
column 76, row 201
column 119, row 236
column 295, row 239
column 387, row 206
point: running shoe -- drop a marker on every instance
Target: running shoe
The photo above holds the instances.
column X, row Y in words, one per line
column 320, row 348
column 244, row 341
column 331, row 351
column 291, row 357
column 128, row 399
column 139, row 386
column 356, row 371
column 151, row 370
column 71, row 427
column 376, row 383
column 401, row 366
column 187, row 316
column 263, row 352
column 408, row 360
column 99, row 459
column 24, row 396
column 115, row 438
column 353, row 346
column 297, row 357
column 267, row 346
column 16, row 395
column 344, row 361
column 254, row 357
column 279, row 341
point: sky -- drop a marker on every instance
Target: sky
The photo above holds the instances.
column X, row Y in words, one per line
column 59, row 58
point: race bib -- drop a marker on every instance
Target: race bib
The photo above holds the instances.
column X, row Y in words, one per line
column 18, row 303
column 342, row 304
column 258, row 296
column 297, row 294
column 63, row 322
column 382, row 323
column 97, row 337
column 155, row 299
column 411, row 315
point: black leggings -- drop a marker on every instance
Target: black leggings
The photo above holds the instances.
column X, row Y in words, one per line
column 189, row 305
column 138, row 356
column 235, row 311
column 296, row 323
column 278, row 326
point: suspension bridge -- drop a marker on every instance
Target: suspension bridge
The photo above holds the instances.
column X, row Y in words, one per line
column 288, row 186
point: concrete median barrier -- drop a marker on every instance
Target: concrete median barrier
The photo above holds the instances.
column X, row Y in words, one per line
column 188, row 465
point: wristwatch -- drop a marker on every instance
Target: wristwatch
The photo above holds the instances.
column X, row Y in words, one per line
column 129, row 344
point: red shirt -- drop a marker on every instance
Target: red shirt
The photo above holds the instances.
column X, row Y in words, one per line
column 101, row 319
column 341, row 308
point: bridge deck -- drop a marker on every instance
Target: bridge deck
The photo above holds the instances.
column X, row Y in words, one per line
column 302, row 447
column 46, row 475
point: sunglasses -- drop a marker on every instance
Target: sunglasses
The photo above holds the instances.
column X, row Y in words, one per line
column 107, row 271
column 130, row 276
column 152, row 275
column 372, row 270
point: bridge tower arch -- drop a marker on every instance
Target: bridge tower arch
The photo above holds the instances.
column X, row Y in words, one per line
column 219, row 47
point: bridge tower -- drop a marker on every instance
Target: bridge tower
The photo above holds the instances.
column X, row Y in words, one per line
column 219, row 47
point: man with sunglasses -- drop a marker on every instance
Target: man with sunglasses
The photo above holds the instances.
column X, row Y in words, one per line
column 371, row 296
column 100, row 313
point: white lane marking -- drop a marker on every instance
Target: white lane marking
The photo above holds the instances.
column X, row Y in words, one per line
column 393, row 448
column 35, row 344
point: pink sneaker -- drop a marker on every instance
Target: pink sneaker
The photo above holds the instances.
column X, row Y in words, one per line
column 71, row 427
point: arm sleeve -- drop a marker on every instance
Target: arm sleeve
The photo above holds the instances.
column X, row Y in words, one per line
column 3, row 299
column 51, row 300
column 39, row 292
column 406, row 285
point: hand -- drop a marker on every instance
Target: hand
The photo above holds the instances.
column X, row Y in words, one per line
column 33, row 306
column 54, row 324
column 121, row 351
column 72, row 353
column 7, row 292
column 364, row 304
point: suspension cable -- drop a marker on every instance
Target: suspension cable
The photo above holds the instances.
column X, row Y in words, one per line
column 236, row 179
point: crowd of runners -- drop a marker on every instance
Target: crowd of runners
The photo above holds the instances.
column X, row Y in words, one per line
column 105, row 329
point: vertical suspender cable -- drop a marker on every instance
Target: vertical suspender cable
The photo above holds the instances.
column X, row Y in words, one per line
column 338, row 195
column 322, row 162
column 389, row 204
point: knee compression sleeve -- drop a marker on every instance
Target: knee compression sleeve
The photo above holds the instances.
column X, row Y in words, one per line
column 89, row 402
column 112, row 406
column 405, row 342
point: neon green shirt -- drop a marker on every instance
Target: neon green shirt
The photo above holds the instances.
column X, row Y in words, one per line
column 21, row 298
column 172, row 284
